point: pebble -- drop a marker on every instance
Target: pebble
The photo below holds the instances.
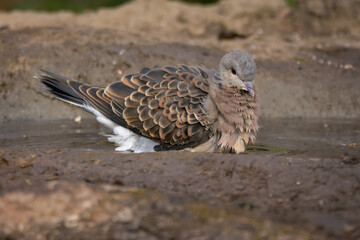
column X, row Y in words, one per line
column 71, row 221
column 348, row 66
column 3, row 160
column 77, row 119
column 125, row 215
column 349, row 228
column 23, row 163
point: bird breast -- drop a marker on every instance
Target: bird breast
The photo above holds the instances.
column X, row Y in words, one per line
column 236, row 123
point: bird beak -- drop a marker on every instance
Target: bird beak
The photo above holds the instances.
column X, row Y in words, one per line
column 249, row 87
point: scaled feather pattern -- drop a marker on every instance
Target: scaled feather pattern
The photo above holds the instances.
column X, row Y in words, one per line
column 173, row 107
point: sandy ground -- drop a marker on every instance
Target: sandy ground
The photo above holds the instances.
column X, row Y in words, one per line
column 306, row 69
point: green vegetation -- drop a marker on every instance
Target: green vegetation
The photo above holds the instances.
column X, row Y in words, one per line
column 73, row 5
column 55, row 5
column 291, row 3
column 200, row 1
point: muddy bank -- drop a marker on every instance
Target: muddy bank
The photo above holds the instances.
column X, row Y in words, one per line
column 277, row 187
column 212, row 195
column 287, row 88
column 75, row 210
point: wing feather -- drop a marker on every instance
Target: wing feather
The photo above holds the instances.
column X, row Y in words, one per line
column 165, row 103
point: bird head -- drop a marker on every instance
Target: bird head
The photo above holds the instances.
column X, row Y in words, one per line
column 238, row 71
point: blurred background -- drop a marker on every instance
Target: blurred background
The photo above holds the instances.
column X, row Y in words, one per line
column 73, row 5
column 314, row 8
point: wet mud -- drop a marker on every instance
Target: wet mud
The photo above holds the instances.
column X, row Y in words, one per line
column 281, row 188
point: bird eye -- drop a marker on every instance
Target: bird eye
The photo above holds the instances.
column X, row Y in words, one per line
column 233, row 71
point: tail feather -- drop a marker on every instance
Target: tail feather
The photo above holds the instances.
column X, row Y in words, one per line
column 61, row 90
column 90, row 98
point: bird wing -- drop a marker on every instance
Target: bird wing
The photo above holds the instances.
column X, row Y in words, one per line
column 164, row 103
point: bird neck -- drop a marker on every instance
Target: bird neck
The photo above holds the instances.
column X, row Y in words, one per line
column 236, row 122
column 238, row 112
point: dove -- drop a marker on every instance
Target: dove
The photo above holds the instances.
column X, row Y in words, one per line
column 179, row 107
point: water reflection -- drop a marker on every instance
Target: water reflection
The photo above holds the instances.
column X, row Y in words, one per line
column 316, row 138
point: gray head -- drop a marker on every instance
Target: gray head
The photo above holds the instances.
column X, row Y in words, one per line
column 238, row 70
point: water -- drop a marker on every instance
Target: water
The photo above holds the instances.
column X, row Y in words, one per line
column 313, row 138
column 87, row 135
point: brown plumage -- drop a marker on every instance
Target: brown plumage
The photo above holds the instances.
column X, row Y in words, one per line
column 179, row 107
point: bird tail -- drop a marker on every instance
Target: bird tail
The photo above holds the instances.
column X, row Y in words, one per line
column 60, row 87
column 90, row 98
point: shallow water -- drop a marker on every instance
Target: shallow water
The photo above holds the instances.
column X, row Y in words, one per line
column 87, row 135
column 313, row 138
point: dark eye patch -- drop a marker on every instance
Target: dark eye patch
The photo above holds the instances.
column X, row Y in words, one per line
column 233, row 71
